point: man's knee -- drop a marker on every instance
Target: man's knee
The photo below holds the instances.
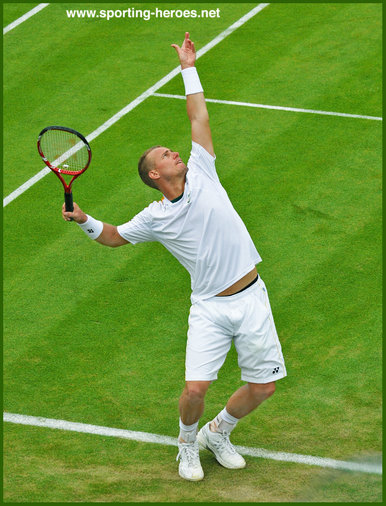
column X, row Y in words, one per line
column 196, row 390
column 262, row 390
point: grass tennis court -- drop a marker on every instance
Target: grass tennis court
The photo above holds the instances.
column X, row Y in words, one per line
column 97, row 336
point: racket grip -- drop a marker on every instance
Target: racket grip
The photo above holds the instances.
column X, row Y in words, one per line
column 68, row 202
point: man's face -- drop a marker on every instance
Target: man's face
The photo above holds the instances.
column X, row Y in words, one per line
column 167, row 163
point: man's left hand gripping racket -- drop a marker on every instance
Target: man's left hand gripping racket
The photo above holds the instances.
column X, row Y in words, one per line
column 64, row 151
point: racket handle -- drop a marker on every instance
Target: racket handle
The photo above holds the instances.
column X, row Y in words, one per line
column 68, row 202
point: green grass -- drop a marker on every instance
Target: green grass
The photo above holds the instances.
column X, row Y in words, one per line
column 13, row 11
column 81, row 467
column 98, row 336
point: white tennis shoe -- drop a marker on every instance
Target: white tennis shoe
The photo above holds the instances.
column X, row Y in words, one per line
column 219, row 444
column 190, row 466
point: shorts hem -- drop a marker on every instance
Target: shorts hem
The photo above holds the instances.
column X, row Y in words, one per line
column 201, row 379
column 273, row 377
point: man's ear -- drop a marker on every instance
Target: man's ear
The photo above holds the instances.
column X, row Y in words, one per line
column 153, row 174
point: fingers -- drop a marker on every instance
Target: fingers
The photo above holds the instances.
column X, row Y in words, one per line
column 186, row 53
column 187, row 43
column 68, row 215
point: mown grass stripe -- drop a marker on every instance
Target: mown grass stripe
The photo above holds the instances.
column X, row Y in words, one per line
column 146, row 437
column 275, row 107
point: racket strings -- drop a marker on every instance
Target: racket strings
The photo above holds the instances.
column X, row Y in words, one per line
column 64, row 150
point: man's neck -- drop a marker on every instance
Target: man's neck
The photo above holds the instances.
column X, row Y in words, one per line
column 177, row 198
column 173, row 192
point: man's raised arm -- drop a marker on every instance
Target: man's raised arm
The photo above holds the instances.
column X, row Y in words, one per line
column 195, row 101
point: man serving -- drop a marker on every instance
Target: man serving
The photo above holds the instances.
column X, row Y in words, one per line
column 197, row 223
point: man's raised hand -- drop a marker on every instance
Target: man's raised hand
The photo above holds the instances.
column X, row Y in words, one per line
column 186, row 53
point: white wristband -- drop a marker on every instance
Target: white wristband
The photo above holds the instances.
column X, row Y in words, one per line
column 93, row 228
column 191, row 81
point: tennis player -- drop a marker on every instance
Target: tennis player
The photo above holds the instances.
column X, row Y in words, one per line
column 197, row 223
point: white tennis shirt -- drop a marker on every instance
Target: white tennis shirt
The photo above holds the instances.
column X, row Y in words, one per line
column 202, row 230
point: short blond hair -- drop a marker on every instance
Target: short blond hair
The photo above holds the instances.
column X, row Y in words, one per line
column 145, row 166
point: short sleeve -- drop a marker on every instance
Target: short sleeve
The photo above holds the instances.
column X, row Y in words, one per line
column 201, row 160
column 137, row 229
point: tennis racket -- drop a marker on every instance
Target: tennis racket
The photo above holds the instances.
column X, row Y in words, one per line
column 66, row 152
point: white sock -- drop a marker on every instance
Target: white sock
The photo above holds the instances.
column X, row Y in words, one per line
column 223, row 422
column 187, row 432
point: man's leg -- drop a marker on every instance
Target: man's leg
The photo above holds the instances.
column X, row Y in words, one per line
column 208, row 344
column 191, row 409
column 192, row 401
column 214, row 436
column 249, row 397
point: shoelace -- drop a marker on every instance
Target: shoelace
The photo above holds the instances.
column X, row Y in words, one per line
column 190, row 451
column 221, row 442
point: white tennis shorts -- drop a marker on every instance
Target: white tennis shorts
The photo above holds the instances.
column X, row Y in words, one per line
column 246, row 318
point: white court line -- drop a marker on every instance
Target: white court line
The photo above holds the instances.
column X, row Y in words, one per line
column 27, row 15
column 146, row 437
column 276, row 107
column 12, row 196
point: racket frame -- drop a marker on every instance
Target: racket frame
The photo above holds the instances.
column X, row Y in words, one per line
column 58, row 171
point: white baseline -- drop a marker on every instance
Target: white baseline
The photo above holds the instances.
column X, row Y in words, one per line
column 146, row 437
column 25, row 16
column 275, row 107
column 12, row 196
